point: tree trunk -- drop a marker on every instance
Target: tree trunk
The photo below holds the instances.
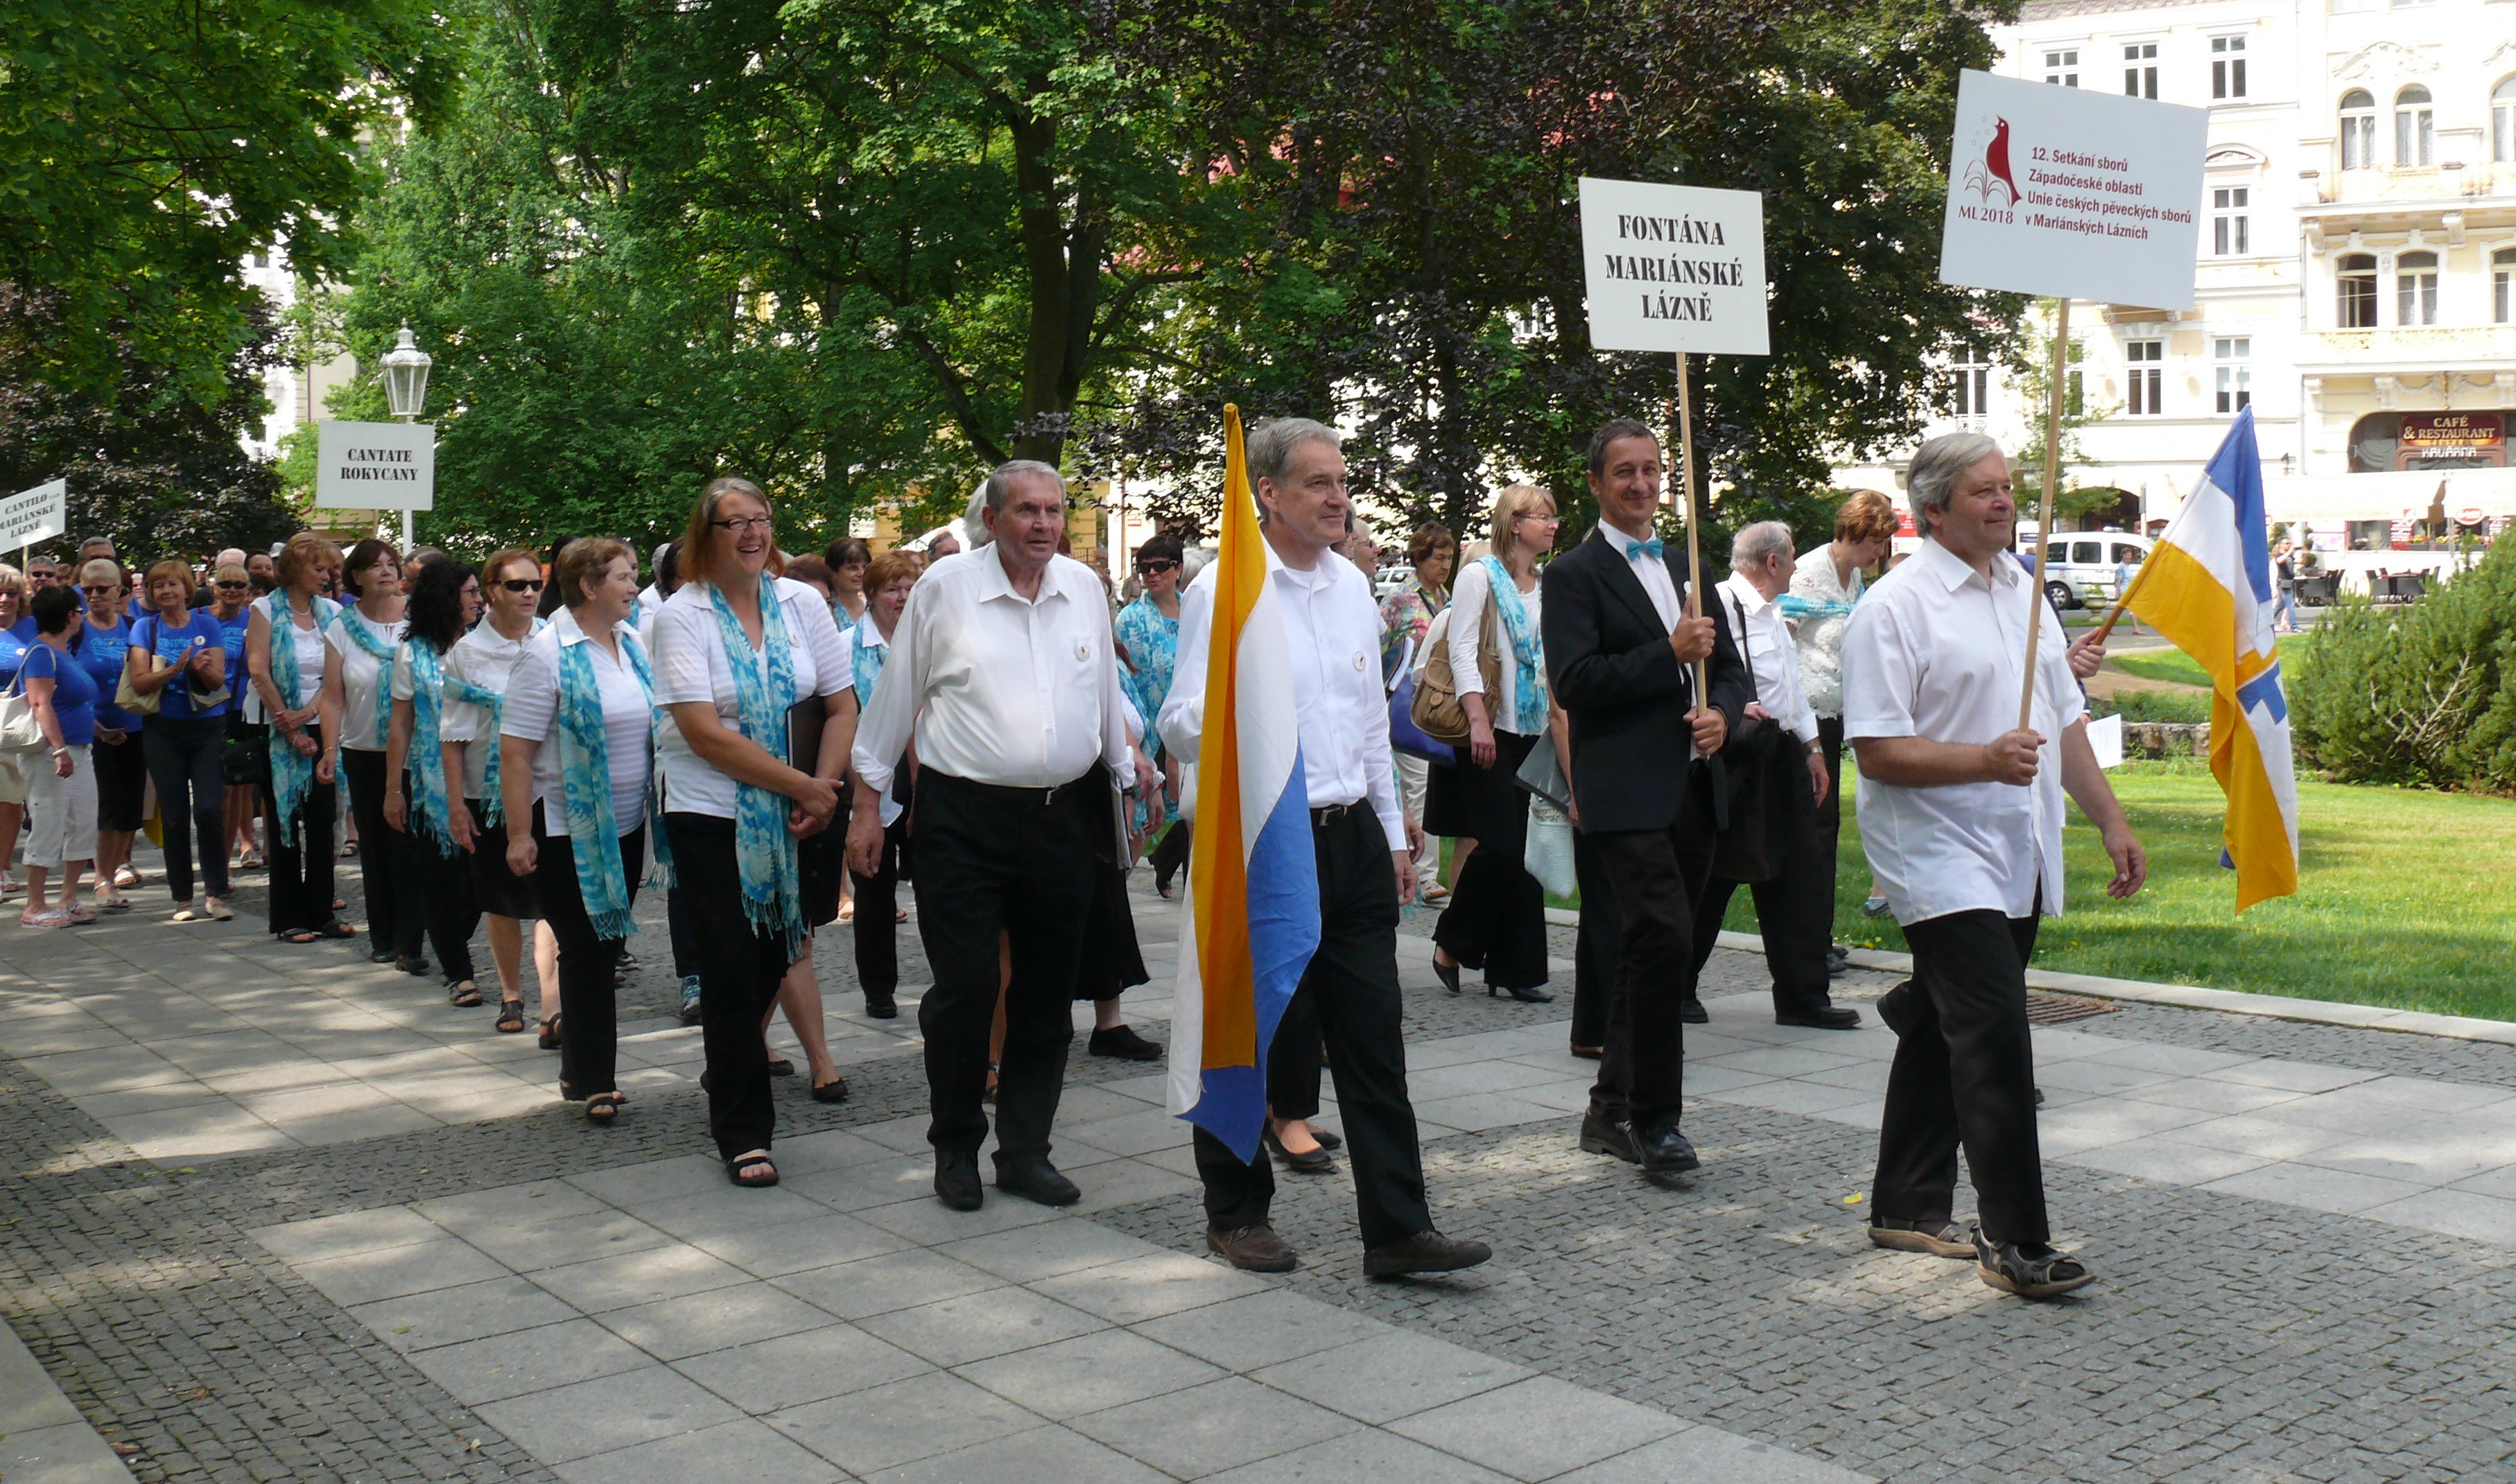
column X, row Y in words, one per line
column 1063, row 262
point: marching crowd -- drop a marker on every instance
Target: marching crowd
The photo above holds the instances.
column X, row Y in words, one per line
column 779, row 741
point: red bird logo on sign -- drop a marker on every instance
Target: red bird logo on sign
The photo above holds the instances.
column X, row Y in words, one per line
column 1992, row 172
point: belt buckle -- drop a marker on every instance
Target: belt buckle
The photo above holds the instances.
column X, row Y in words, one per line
column 1048, row 796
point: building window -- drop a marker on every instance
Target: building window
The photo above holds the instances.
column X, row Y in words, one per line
column 2146, row 382
column 1974, row 383
column 2357, row 130
column 2234, row 357
column 2415, row 289
column 2140, row 69
column 2356, row 280
column 2415, row 127
column 2502, row 122
column 2062, row 69
column 2227, row 67
column 2229, row 237
column 2503, row 286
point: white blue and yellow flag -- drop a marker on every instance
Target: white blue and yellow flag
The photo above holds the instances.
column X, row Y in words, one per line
column 2207, row 587
column 1252, row 918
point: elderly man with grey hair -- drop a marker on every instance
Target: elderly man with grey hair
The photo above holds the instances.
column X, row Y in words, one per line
column 1794, row 898
column 1004, row 669
column 1961, row 817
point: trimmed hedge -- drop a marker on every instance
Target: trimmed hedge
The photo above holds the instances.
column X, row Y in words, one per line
column 2417, row 695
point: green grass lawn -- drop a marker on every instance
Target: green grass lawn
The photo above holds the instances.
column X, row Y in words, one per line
column 2406, row 898
column 2297, row 651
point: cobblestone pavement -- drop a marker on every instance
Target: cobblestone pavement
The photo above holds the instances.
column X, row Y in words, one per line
column 2306, row 1235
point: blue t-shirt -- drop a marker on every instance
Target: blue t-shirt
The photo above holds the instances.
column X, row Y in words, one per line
column 100, row 652
column 73, row 692
column 234, row 638
column 171, row 644
column 13, row 640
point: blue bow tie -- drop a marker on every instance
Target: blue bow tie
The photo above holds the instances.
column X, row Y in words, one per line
column 1642, row 549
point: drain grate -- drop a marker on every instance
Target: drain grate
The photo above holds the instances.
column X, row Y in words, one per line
column 2061, row 1009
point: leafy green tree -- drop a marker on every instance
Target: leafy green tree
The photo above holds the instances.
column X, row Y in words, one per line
column 146, row 145
column 2033, row 363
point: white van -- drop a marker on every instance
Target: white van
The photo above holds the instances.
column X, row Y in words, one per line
column 2084, row 567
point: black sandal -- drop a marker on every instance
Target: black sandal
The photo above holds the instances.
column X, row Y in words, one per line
column 741, row 1165
column 833, row 1090
column 511, row 1017
column 463, row 994
column 602, row 1107
column 550, row 1034
column 335, row 929
column 2049, row 1274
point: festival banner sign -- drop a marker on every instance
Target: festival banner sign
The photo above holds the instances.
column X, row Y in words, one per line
column 2074, row 193
column 1674, row 268
column 375, row 466
column 34, row 514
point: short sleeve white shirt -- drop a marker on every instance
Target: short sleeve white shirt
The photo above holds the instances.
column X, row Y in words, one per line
column 1936, row 652
column 360, row 674
column 484, row 657
column 694, row 663
column 531, row 713
column 310, row 652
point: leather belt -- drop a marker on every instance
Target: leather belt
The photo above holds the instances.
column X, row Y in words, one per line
column 1327, row 814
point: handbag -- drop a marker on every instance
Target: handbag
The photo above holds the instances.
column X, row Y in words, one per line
column 1544, row 777
column 140, row 703
column 1548, row 854
column 19, row 731
column 245, row 761
column 1437, row 710
column 1403, row 734
column 1760, row 768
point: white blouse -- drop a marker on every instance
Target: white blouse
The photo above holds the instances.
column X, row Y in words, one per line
column 310, row 660
column 693, row 664
column 360, row 674
column 1471, row 593
column 1821, row 640
column 485, row 658
column 531, row 713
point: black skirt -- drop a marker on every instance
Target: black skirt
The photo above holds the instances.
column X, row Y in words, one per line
column 1112, row 962
column 500, row 893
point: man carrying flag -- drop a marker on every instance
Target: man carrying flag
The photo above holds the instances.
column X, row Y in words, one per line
column 1276, row 704
column 2207, row 585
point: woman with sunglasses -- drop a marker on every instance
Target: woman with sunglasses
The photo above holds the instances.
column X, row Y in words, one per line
column 286, row 655
column 358, row 688
column 121, row 773
column 1148, row 629
column 179, row 655
column 475, row 678
column 232, row 595
column 738, row 648
column 423, row 796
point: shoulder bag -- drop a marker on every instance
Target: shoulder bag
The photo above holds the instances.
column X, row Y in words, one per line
column 19, row 732
column 1437, row 710
column 1754, row 842
column 138, row 702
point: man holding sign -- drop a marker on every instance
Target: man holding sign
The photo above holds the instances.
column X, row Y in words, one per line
column 1961, row 817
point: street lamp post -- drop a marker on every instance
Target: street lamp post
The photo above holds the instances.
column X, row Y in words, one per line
column 405, row 370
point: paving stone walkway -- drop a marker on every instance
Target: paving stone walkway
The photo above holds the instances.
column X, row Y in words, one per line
column 275, row 1212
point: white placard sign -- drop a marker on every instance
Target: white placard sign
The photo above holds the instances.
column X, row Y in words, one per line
column 34, row 514
column 375, row 466
column 2072, row 192
column 1674, row 268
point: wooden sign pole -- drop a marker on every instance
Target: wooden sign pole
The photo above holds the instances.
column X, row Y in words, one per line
column 2044, row 507
column 1686, row 488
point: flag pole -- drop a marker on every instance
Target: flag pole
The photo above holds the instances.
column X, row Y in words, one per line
column 2045, row 506
column 1686, row 488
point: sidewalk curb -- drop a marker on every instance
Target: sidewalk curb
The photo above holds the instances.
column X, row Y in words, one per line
column 2365, row 1018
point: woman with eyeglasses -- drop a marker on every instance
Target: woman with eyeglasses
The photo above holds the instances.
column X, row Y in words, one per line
column 424, row 797
column 1496, row 917
column 60, row 788
column 737, row 649
column 179, row 655
column 474, row 675
column 1148, row 629
column 17, row 631
column 851, row 564
column 121, row 773
column 357, row 687
column 877, row 917
column 232, row 596
column 577, row 735
column 287, row 656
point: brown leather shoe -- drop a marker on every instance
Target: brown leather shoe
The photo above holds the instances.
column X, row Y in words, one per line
column 1426, row 1251
column 1253, row 1249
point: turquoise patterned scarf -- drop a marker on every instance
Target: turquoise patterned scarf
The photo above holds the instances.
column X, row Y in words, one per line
column 382, row 653
column 763, row 851
column 585, row 780
column 492, row 807
column 431, row 813
column 292, row 773
column 1795, row 607
column 1529, row 690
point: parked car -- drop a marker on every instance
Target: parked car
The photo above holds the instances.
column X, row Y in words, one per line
column 2082, row 566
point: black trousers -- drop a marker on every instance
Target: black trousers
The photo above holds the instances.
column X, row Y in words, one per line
column 877, row 935
column 1353, row 985
column 1794, row 911
column 677, row 926
column 1830, row 814
column 1294, row 1057
column 1655, row 877
column 1495, row 920
column 739, row 969
column 1017, row 862
column 589, row 1052
column 1170, row 853
column 183, row 755
column 300, row 852
column 453, row 905
column 1964, row 1074
column 1596, row 945
column 396, row 910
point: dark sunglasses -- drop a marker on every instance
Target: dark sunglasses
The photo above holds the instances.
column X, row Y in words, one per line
column 521, row 584
column 107, row 591
column 1156, row 566
column 234, row 587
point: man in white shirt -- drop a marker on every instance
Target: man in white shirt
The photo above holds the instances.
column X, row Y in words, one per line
column 1795, row 904
column 1962, row 818
column 1348, row 993
column 1004, row 668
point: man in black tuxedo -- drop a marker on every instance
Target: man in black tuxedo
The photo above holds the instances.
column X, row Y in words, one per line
column 1621, row 642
